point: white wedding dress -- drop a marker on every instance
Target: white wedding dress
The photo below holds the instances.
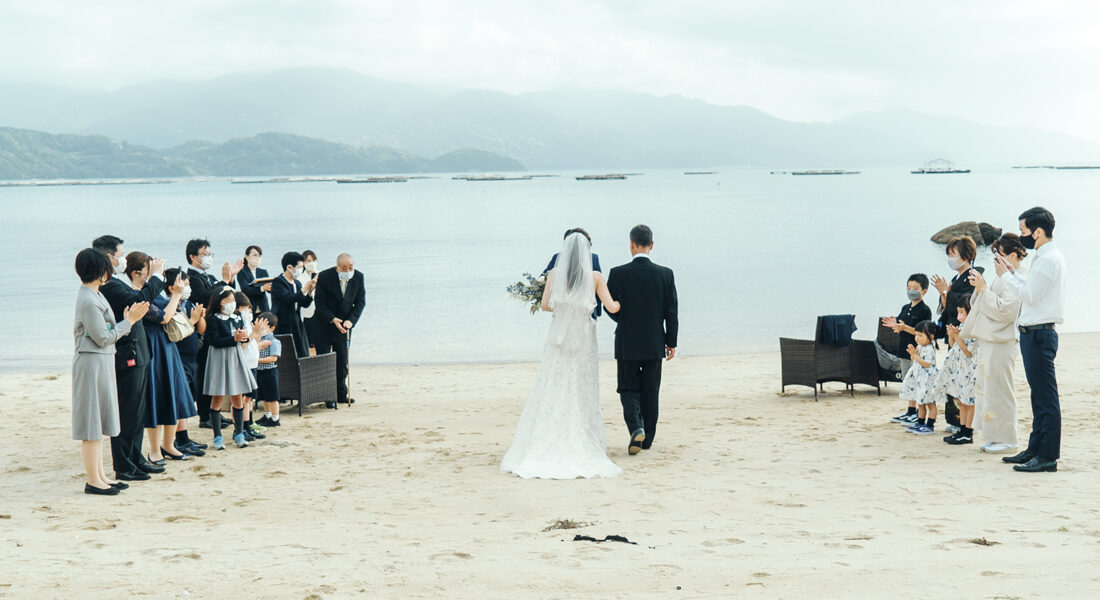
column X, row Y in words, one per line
column 560, row 434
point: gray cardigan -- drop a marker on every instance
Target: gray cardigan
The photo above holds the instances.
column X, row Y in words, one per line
column 95, row 329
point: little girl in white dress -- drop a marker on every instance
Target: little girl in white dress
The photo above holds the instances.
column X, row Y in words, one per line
column 919, row 384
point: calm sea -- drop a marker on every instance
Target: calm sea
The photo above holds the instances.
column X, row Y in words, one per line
column 756, row 255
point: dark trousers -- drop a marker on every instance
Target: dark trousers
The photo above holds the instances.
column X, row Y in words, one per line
column 202, row 401
column 133, row 392
column 331, row 340
column 1038, row 349
column 639, row 386
column 191, row 370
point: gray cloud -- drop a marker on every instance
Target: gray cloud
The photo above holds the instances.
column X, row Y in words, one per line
column 1001, row 62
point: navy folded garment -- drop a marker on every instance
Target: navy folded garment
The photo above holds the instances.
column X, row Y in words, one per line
column 837, row 330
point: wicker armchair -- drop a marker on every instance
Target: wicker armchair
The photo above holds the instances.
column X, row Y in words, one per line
column 813, row 363
column 889, row 341
column 308, row 380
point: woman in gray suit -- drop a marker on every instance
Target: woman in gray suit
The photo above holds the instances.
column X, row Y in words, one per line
column 95, row 397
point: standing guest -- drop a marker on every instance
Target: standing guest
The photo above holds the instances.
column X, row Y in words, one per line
column 341, row 297
column 288, row 297
column 267, row 373
column 170, row 391
column 227, row 375
column 992, row 320
column 95, row 395
column 131, row 363
column 309, row 258
column 913, row 312
column 257, row 294
column 958, row 377
column 188, row 349
column 961, row 253
column 200, row 259
column 1043, row 295
column 919, row 382
column 252, row 360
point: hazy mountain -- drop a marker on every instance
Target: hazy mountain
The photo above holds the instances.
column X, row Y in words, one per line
column 26, row 154
column 558, row 129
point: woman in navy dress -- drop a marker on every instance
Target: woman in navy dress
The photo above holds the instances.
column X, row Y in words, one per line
column 170, row 392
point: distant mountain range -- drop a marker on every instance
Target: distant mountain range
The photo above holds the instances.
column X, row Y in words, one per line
column 28, row 154
column 545, row 130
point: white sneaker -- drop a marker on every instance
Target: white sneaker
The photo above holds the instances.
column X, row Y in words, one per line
column 996, row 447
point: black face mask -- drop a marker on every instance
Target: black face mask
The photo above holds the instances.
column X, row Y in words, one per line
column 1028, row 242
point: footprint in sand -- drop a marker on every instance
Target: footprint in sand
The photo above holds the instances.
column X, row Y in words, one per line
column 725, row 542
column 174, row 518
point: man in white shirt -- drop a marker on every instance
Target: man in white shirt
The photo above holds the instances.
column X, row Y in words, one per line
column 1043, row 293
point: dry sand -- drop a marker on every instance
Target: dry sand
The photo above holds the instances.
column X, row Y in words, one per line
column 746, row 493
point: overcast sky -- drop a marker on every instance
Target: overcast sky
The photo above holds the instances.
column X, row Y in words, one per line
column 994, row 61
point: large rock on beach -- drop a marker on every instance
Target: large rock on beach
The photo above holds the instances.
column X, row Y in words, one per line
column 983, row 234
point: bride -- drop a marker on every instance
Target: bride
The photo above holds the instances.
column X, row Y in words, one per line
column 561, row 432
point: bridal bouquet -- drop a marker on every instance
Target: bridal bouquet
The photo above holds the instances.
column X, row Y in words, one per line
column 529, row 291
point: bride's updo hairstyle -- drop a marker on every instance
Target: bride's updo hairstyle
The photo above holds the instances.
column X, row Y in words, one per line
column 579, row 230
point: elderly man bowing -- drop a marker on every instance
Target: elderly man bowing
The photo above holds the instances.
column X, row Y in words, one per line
column 340, row 299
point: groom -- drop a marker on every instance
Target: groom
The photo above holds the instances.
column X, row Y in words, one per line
column 646, row 334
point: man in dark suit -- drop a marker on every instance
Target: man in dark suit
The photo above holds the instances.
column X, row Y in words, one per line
column 595, row 266
column 340, row 299
column 132, row 357
column 646, row 334
column 200, row 259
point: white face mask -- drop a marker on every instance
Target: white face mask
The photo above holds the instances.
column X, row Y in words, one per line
column 254, row 262
column 311, row 266
column 186, row 293
column 121, row 267
column 297, row 272
column 246, row 315
column 207, row 261
column 227, row 309
column 954, row 263
column 346, row 276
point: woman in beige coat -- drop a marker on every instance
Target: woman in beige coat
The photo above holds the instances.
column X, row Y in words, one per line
column 992, row 320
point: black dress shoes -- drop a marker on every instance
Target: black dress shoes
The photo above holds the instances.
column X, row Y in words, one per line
column 118, row 485
column 636, row 439
column 1020, row 458
column 1037, row 465
column 109, row 491
column 158, row 463
column 150, row 468
column 135, row 476
column 330, row 405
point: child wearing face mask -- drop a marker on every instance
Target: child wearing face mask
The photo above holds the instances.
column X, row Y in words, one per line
column 958, row 377
column 255, row 329
column 227, row 372
column 919, row 383
column 961, row 253
column 913, row 312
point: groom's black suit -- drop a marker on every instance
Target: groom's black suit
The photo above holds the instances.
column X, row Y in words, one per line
column 647, row 324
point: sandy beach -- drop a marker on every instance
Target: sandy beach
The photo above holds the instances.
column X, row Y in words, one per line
column 746, row 493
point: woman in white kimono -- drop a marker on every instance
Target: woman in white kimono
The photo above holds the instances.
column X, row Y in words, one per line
column 994, row 310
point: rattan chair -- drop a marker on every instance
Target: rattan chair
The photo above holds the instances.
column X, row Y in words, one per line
column 889, row 341
column 308, row 380
column 813, row 363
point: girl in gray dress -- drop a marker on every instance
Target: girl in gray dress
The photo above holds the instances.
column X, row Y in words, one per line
column 227, row 372
column 95, row 396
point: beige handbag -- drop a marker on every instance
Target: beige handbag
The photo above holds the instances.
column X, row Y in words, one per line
column 179, row 327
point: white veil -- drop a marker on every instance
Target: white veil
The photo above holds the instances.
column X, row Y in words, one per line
column 573, row 291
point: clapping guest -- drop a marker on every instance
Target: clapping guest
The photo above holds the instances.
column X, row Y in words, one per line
column 252, row 271
column 95, row 396
column 288, row 297
column 200, row 259
column 171, row 394
column 188, row 349
column 309, row 272
column 961, row 253
column 341, row 298
column 131, row 363
column 227, row 375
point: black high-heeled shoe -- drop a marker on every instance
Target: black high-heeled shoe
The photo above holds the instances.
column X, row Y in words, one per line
column 169, row 456
column 95, row 491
